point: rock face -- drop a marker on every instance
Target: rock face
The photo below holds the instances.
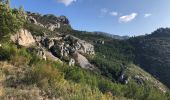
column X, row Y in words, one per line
column 23, row 38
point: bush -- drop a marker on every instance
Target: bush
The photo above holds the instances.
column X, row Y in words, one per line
column 7, row 51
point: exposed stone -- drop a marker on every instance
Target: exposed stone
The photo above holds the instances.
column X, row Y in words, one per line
column 38, row 38
column 83, row 62
column 47, row 21
column 23, row 38
column 50, row 56
column 79, row 45
column 123, row 78
column 100, row 41
column 57, row 51
column 63, row 20
column 71, row 62
column 139, row 79
column 48, row 43
column 41, row 53
column 52, row 27
column 32, row 20
column 86, row 48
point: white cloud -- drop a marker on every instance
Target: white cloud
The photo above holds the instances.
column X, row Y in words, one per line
column 66, row 2
column 128, row 18
column 113, row 13
column 147, row 15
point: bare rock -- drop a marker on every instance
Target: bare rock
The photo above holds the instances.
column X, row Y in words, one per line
column 123, row 78
column 83, row 62
column 23, row 38
column 87, row 48
column 41, row 53
column 50, row 56
column 32, row 20
column 71, row 62
column 52, row 27
column 139, row 79
column 80, row 46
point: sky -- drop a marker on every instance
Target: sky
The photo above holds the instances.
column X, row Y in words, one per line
column 119, row 17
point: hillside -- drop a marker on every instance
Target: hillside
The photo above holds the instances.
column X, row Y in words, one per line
column 152, row 53
column 43, row 58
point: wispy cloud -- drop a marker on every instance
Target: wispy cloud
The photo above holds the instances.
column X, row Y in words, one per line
column 104, row 10
column 66, row 2
column 113, row 13
column 147, row 15
column 128, row 18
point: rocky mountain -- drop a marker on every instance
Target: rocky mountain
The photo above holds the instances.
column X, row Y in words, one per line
column 45, row 59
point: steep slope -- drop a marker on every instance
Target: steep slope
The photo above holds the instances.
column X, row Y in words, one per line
column 153, row 53
column 114, row 59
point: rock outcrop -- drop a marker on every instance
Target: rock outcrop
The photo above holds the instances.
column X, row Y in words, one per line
column 59, row 45
column 23, row 38
column 66, row 45
column 48, row 21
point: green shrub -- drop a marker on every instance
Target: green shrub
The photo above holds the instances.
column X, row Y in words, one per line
column 7, row 51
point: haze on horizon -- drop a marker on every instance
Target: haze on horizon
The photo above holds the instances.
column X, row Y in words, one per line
column 120, row 17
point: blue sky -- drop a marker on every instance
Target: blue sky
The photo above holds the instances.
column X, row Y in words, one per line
column 121, row 17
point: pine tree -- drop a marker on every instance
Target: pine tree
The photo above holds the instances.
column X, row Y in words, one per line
column 10, row 20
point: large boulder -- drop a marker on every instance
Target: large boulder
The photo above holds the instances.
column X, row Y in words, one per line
column 83, row 62
column 50, row 56
column 23, row 38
